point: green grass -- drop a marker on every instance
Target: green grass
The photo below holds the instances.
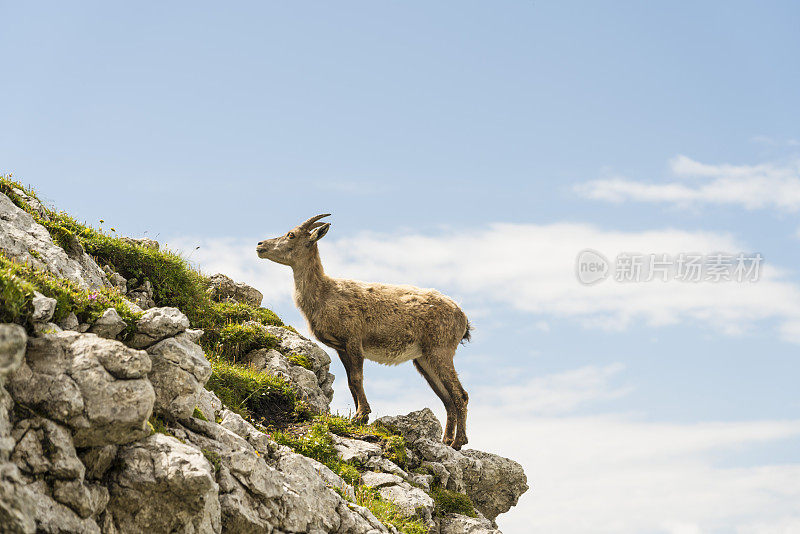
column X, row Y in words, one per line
column 387, row 512
column 395, row 449
column 252, row 394
column 236, row 340
column 343, row 426
column 18, row 282
column 16, row 294
column 451, row 502
column 197, row 414
column 317, row 443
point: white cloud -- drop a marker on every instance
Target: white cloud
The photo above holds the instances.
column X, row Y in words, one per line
column 531, row 268
column 555, row 393
column 750, row 186
column 617, row 475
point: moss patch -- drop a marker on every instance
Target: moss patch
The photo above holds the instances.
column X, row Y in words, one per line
column 451, row 502
column 300, row 359
column 158, row 425
column 197, row 414
column 213, row 458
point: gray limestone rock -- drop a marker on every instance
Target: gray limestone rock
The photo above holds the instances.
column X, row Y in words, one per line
column 179, row 372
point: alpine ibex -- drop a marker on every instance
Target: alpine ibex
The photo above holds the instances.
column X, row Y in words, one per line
column 385, row 323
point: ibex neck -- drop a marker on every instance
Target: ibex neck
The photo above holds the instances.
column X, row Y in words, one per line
column 309, row 284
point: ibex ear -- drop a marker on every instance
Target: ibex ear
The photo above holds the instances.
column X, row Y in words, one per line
column 318, row 233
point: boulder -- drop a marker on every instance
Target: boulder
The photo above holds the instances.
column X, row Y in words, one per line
column 266, row 487
column 157, row 324
column 97, row 387
column 109, row 325
column 420, row 424
column 179, row 372
column 53, row 517
column 141, row 295
column 44, row 447
column 355, row 449
column 43, row 308
column 223, row 288
column 70, row 322
column 162, row 485
column 409, row 500
column 46, row 458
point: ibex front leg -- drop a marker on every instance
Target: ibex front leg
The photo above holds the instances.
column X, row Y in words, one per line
column 353, row 361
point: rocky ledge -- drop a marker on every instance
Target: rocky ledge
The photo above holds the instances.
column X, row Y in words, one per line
column 107, row 425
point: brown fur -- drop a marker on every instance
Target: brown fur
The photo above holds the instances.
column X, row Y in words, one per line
column 386, row 323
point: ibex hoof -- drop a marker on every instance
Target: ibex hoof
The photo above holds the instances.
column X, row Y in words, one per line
column 361, row 419
column 456, row 444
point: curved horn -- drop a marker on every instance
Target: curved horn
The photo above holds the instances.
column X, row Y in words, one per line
column 314, row 219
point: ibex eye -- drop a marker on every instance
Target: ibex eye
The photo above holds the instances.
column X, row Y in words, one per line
column 290, row 235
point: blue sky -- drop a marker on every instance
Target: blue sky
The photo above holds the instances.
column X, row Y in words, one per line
column 476, row 147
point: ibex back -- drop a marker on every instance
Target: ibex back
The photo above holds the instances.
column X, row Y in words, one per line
column 389, row 324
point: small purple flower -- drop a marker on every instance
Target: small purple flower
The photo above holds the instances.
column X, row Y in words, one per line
column 93, row 296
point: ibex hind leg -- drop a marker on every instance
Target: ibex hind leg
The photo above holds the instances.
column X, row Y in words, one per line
column 441, row 364
column 423, row 366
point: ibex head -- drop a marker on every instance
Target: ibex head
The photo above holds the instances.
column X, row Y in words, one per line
column 296, row 245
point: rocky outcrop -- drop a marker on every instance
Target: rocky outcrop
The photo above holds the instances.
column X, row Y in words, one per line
column 493, row 483
column 223, row 289
column 26, row 241
column 80, row 453
column 201, row 475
